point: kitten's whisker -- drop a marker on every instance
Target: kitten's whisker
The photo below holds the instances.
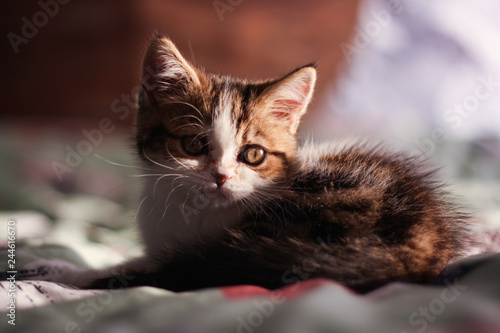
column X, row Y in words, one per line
column 151, row 210
column 189, row 116
column 151, row 160
column 166, row 205
column 157, row 163
column 204, row 103
column 147, row 175
column 181, row 102
column 157, row 175
column 178, row 161
column 156, row 185
column 247, row 205
column 167, row 202
column 241, row 203
column 164, row 176
column 200, row 135
column 163, row 166
column 270, row 198
column 186, row 125
column 187, row 197
column 172, row 191
column 139, row 207
column 119, row 164
column 252, row 202
column 179, row 177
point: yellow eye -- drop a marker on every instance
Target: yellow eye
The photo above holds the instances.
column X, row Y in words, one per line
column 194, row 145
column 253, row 155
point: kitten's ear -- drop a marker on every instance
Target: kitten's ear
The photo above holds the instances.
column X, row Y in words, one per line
column 165, row 72
column 287, row 99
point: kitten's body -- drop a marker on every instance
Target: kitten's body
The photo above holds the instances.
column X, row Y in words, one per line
column 232, row 201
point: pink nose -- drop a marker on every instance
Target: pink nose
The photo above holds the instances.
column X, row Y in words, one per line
column 220, row 179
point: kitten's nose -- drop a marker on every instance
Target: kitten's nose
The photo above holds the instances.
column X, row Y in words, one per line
column 220, row 179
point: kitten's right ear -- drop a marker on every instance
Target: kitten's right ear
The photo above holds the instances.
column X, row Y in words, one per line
column 286, row 100
column 165, row 73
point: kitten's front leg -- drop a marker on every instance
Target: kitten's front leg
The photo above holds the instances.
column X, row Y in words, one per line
column 128, row 274
column 116, row 277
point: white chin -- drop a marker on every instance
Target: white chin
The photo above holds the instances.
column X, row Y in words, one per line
column 221, row 197
column 222, row 202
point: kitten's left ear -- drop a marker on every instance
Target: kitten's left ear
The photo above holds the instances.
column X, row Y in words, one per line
column 287, row 99
column 165, row 71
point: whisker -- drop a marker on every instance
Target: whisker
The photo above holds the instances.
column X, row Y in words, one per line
column 157, row 175
column 165, row 175
column 185, row 103
column 188, row 116
column 167, row 203
column 119, row 164
column 157, row 163
column 172, row 191
column 187, row 197
column 178, row 161
column 186, row 125
column 138, row 208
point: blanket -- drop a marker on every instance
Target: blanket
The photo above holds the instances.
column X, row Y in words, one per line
column 465, row 299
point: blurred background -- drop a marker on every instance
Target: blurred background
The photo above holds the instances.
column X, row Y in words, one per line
column 423, row 76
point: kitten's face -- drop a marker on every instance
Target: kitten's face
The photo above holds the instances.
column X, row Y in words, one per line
column 211, row 135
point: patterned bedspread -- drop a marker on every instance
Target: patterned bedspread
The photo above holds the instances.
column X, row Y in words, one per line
column 466, row 299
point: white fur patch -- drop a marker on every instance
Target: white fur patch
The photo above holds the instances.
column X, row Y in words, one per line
column 309, row 153
column 225, row 147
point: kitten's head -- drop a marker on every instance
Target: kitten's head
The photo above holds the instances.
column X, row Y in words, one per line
column 222, row 137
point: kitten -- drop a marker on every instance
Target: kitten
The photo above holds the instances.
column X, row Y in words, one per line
column 229, row 198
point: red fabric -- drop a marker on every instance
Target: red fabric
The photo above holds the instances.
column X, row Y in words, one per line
column 291, row 291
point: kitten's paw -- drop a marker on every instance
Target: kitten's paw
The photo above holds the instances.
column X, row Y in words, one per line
column 59, row 271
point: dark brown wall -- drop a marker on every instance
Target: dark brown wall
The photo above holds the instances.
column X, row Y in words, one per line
column 89, row 53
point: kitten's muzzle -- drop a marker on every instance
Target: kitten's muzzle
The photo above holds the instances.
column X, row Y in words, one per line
column 220, row 179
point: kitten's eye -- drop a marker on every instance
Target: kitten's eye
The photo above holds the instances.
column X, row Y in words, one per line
column 253, row 155
column 194, row 145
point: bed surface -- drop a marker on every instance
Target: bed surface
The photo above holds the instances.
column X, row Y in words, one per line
column 87, row 220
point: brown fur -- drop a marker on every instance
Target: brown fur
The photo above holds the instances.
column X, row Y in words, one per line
column 361, row 215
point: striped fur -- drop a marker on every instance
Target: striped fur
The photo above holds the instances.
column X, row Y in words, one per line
column 360, row 215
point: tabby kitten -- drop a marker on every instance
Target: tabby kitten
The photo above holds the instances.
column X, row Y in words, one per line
column 229, row 198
